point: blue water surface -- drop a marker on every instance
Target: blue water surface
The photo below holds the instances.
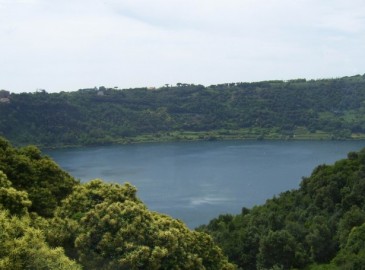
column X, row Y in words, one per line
column 197, row 181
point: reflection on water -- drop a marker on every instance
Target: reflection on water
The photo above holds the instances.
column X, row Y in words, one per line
column 197, row 181
column 208, row 200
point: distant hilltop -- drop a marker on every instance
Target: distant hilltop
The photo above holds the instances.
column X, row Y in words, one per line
column 295, row 109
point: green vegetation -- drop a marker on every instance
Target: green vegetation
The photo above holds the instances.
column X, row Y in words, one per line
column 319, row 226
column 295, row 109
column 48, row 220
column 24, row 247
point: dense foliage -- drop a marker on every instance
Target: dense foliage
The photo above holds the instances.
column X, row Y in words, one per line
column 41, row 179
column 50, row 221
column 24, row 247
column 329, row 108
column 319, row 226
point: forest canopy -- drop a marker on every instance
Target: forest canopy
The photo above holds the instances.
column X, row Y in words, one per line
column 294, row 109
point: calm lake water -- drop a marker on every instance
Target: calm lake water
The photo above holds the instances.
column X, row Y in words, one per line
column 197, row 181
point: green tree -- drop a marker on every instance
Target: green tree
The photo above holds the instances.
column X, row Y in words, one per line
column 277, row 249
column 23, row 247
column 41, row 178
column 16, row 202
column 115, row 230
column 352, row 256
column 320, row 240
column 354, row 217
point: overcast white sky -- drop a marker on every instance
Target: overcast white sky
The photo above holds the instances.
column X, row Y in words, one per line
column 66, row 45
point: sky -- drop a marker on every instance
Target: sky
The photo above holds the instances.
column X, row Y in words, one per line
column 67, row 45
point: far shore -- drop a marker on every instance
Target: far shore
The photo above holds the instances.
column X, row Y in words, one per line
column 217, row 135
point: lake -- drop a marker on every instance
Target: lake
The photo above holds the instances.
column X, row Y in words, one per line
column 197, row 181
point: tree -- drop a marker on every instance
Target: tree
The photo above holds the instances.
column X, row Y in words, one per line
column 23, row 247
column 15, row 201
column 277, row 249
column 354, row 217
column 352, row 256
column 113, row 229
column 41, row 178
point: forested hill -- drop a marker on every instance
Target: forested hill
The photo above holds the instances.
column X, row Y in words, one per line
column 319, row 226
column 298, row 109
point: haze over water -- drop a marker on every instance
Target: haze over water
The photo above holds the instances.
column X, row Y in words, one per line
column 197, row 181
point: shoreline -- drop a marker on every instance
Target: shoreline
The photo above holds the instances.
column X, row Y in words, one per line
column 218, row 135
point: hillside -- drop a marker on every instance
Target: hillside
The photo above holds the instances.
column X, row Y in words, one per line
column 319, row 226
column 295, row 109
